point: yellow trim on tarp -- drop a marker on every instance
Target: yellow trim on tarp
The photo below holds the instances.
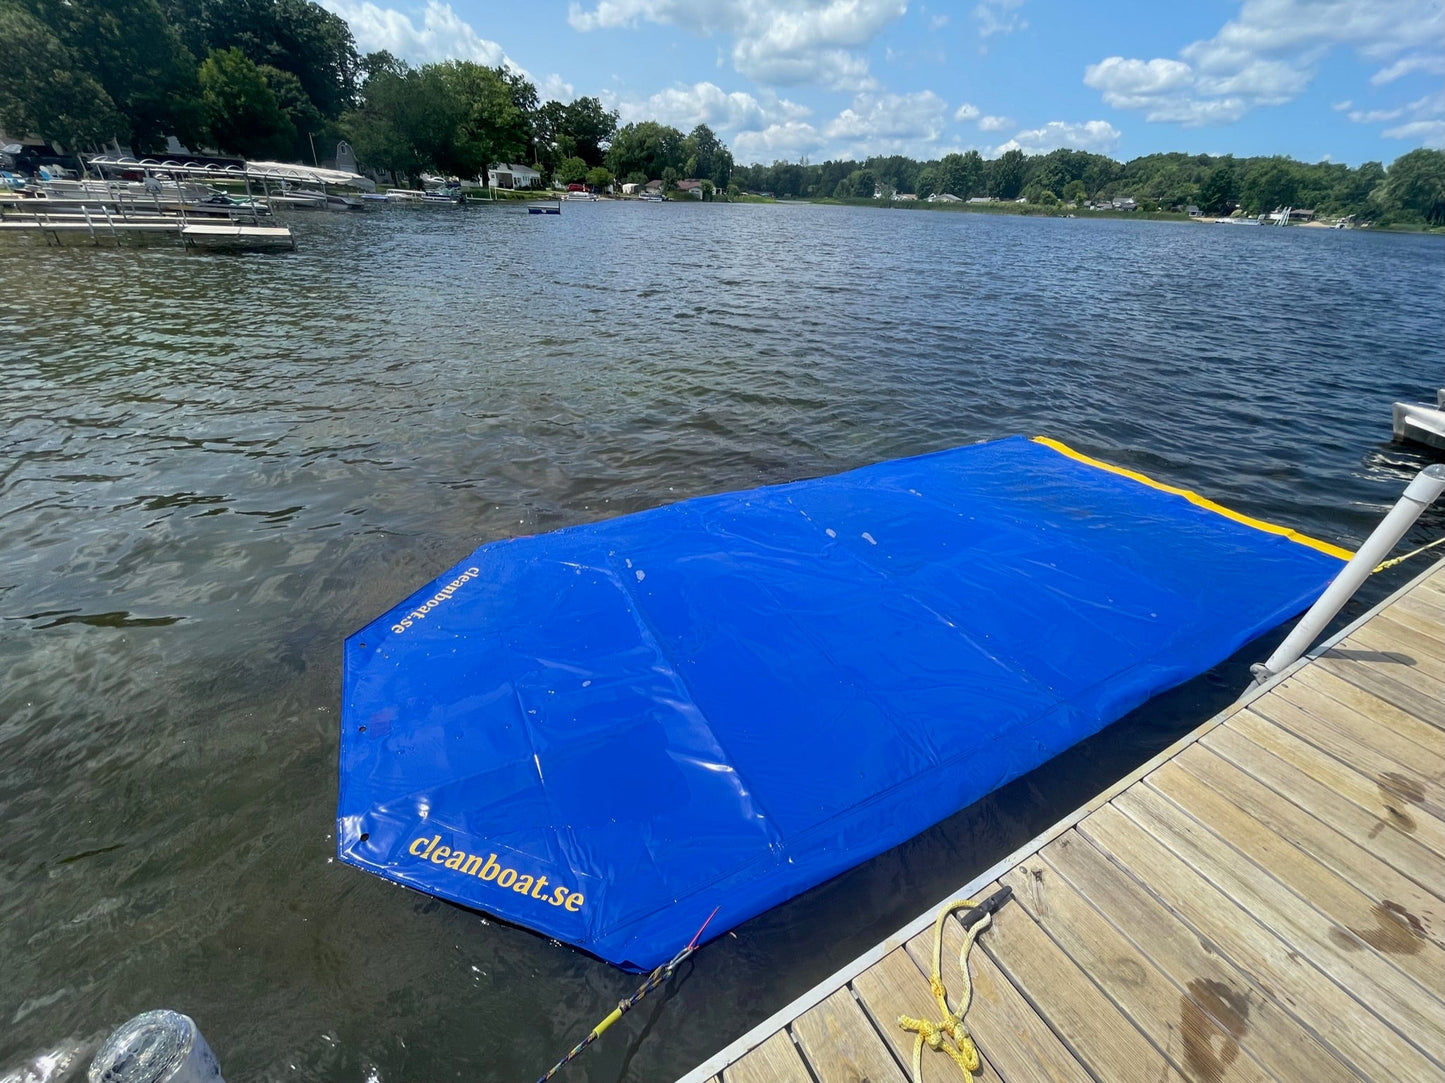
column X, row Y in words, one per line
column 1197, row 500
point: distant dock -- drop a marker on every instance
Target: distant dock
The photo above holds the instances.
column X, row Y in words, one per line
column 1263, row 900
column 102, row 228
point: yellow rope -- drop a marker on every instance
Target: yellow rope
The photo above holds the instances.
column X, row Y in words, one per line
column 963, row 1051
column 1412, row 553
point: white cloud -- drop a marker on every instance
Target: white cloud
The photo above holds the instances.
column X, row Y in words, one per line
column 1098, row 136
column 788, row 141
column 776, row 42
column 555, row 88
column 993, row 124
column 890, row 124
column 1429, row 63
column 937, row 22
column 999, row 17
column 1428, row 133
column 966, row 112
column 686, row 107
column 442, row 35
column 1267, row 55
column 1424, row 120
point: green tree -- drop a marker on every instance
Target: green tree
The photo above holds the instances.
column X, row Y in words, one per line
column 1414, row 187
column 299, row 109
column 1218, row 191
column 927, row 182
column 599, row 178
column 1007, row 173
column 1269, row 184
column 571, row 170
column 859, row 184
column 590, row 127
column 646, row 147
column 1045, row 198
column 1074, row 191
column 242, row 113
column 43, row 90
column 295, row 36
column 399, row 120
column 706, row 158
column 961, row 175
column 485, row 111
column 134, row 54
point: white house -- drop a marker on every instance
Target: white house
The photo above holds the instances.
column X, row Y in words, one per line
column 512, row 175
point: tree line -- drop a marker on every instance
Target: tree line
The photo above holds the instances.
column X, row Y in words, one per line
column 1411, row 191
column 281, row 78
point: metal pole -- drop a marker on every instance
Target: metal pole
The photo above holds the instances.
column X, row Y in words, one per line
column 1418, row 495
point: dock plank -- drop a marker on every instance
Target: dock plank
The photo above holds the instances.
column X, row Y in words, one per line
column 1130, row 981
column 1211, row 987
column 841, row 1046
column 1422, row 633
column 775, row 1061
column 1103, row 1039
column 1007, row 1029
column 1415, row 748
column 1368, row 977
column 1363, row 672
column 1295, row 861
column 1320, row 842
column 1387, row 795
column 1423, row 732
column 1386, row 772
column 1411, row 659
column 1390, row 835
column 895, row 986
column 1350, row 1029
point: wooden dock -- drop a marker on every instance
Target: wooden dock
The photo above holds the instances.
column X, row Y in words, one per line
column 103, row 227
column 1265, row 900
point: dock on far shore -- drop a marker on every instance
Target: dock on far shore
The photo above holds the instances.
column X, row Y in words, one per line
column 1265, row 900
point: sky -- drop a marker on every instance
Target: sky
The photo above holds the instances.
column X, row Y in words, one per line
column 1339, row 80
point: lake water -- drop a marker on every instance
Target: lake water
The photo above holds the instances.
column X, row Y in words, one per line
column 214, row 468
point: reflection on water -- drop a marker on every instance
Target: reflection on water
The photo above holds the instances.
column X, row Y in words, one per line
column 215, row 468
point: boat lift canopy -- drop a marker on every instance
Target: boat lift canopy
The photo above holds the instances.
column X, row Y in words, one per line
column 604, row 732
column 221, row 169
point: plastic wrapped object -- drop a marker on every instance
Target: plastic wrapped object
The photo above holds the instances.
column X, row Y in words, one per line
column 156, row 1047
column 605, row 732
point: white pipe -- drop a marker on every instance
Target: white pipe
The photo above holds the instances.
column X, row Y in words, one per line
column 1419, row 495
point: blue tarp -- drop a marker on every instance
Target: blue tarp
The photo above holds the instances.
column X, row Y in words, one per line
column 605, row 732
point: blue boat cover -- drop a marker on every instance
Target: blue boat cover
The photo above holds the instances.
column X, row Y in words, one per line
column 605, row 732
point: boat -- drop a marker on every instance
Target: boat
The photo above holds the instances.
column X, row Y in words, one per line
column 651, row 197
column 1421, row 423
column 609, row 732
column 581, row 197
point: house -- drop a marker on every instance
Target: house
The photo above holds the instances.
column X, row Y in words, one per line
column 653, row 188
column 1193, row 211
column 905, row 197
column 631, row 189
column 1125, row 204
column 944, row 197
column 691, row 188
column 980, row 199
column 513, row 175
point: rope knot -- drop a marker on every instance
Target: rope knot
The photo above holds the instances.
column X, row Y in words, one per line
column 963, row 1052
